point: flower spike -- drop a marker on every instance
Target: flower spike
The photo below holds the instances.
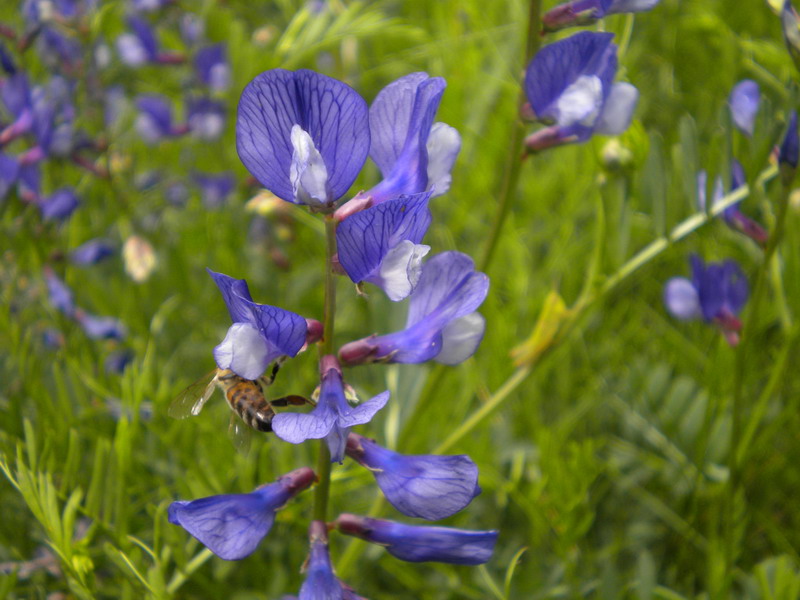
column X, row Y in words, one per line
column 232, row 525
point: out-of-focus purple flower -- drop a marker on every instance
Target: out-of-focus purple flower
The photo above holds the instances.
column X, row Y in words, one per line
column 212, row 67
column 92, row 252
column 586, row 12
column 7, row 61
column 154, row 121
column 58, row 50
column 570, row 85
column 117, row 361
column 716, row 294
column 790, row 147
column 149, row 5
column 442, row 323
column 138, row 47
column 9, row 168
column 192, row 28
column 260, row 333
column 206, row 118
column 59, row 205
column 16, row 95
column 232, row 525
column 53, row 339
column 733, row 216
column 743, row 102
column 59, row 294
column 333, row 416
column 100, row 328
column 425, row 486
column 303, row 135
column 53, row 121
column 422, row 543
column 381, row 244
column 176, row 193
column 214, row 189
column 414, row 154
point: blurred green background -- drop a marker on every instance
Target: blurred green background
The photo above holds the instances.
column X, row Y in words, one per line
column 606, row 470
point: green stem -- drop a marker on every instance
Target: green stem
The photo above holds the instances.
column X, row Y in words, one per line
column 322, row 490
column 732, row 488
column 585, row 302
column 514, row 156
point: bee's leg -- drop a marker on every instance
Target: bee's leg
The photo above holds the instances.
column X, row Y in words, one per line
column 267, row 380
column 292, row 400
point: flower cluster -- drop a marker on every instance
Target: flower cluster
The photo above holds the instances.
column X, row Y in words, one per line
column 305, row 137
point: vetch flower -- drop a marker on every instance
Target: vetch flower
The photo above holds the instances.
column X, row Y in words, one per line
column 733, row 216
column 425, row 486
column 442, row 323
column 154, row 121
column 140, row 47
column 214, row 188
column 303, row 135
column 100, row 328
column 332, row 418
column 320, row 582
column 212, row 67
column 421, row 543
column 743, row 102
column 92, row 252
column 60, row 295
column 570, row 84
column 586, row 12
column 381, row 244
column 232, row 525
column 59, row 205
column 716, row 294
column 205, row 118
column 413, row 153
column 260, row 333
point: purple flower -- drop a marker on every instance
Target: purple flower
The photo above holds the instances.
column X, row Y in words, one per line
column 424, row 543
column 743, row 102
column 382, row 244
column 59, row 205
column 303, row 135
column 332, row 418
column 100, row 328
column 320, row 582
column 92, row 252
column 60, row 295
column 790, row 147
column 586, row 12
column 570, row 84
column 116, row 362
column 206, row 118
column 413, row 153
column 139, row 47
column 154, row 121
column 16, row 95
column 734, row 218
column 9, row 169
column 260, row 333
column 716, row 294
column 425, row 486
column 213, row 68
column 442, row 323
column 232, row 525
column 214, row 189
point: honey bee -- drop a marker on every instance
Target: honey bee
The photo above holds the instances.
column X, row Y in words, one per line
column 245, row 397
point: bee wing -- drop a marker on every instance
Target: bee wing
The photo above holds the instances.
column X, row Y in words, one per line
column 240, row 433
column 191, row 400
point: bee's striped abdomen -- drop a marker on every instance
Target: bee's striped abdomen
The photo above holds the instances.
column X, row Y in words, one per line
column 247, row 401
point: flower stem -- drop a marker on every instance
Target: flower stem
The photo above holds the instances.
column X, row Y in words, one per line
column 587, row 300
column 513, row 163
column 322, row 490
column 732, row 489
